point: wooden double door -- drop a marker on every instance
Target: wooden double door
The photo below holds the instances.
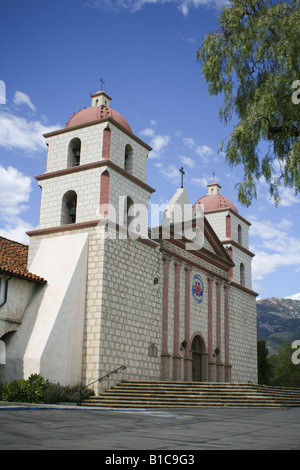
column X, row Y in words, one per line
column 197, row 359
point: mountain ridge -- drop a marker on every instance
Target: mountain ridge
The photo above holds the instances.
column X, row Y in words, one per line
column 278, row 320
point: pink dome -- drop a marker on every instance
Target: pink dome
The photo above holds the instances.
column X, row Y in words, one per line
column 94, row 113
column 214, row 200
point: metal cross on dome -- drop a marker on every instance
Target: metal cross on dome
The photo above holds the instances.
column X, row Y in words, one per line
column 102, row 82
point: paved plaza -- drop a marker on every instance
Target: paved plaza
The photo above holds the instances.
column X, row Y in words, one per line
column 30, row 427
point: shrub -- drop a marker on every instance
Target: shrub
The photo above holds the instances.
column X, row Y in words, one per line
column 38, row 390
column 27, row 391
column 53, row 393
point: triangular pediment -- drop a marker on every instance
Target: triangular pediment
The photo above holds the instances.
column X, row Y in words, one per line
column 184, row 236
column 190, row 231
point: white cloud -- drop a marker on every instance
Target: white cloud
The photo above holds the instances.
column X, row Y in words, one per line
column 189, row 162
column 274, row 246
column 189, row 142
column 17, row 231
column 19, row 133
column 158, row 142
column 287, row 195
column 171, row 173
column 183, row 6
column 148, row 132
column 15, row 189
column 21, row 98
column 294, row 297
column 2, row 92
column 205, row 153
column 203, row 182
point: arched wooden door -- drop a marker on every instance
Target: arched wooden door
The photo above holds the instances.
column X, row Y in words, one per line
column 196, row 359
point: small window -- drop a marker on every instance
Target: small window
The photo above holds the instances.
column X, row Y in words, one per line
column 74, row 152
column 69, row 206
column 128, row 160
column 240, row 238
column 242, row 274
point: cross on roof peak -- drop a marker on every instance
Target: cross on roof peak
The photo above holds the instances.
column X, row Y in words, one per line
column 182, row 173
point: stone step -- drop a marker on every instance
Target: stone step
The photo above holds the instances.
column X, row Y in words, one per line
column 161, row 394
column 179, row 404
column 194, row 391
column 155, row 400
column 211, row 385
column 202, row 399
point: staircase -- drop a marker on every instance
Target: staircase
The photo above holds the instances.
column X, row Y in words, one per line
column 161, row 394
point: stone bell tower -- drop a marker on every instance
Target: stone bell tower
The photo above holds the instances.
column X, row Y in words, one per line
column 232, row 229
column 96, row 171
column 94, row 161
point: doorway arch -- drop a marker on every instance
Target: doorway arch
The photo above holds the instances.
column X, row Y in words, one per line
column 198, row 354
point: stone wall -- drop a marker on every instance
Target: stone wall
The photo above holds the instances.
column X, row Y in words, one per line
column 243, row 335
column 123, row 322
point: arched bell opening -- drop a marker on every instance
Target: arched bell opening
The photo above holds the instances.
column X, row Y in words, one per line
column 74, row 151
column 128, row 158
column 69, row 207
column 128, row 216
column 242, row 274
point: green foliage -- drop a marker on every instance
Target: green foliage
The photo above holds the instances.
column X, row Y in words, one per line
column 38, row 390
column 55, row 393
column 278, row 369
column 253, row 59
column 264, row 367
column 24, row 391
column 285, row 372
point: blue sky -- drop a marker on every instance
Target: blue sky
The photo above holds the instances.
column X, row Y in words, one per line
column 53, row 54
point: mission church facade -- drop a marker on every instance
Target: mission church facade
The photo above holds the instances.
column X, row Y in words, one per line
column 100, row 290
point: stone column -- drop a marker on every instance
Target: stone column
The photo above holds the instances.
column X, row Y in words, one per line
column 219, row 369
column 227, row 365
column 165, row 356
column 188, row 361
column 211, row 361
column 176, row 349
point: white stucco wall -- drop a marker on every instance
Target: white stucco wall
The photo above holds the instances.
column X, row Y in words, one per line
column 50, row 339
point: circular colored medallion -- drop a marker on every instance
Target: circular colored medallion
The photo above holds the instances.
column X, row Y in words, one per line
column 197, row 289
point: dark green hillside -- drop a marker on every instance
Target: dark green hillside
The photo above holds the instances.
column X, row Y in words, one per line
column 278, row 320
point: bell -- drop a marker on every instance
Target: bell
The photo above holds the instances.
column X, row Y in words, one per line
column 76, row 154
column 72, row 212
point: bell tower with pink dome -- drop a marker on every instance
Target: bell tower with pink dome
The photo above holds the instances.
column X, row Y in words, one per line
column 95, row 173
column 93, row 163
column 232, row 229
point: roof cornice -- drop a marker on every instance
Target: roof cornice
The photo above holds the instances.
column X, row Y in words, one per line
column 93, row 123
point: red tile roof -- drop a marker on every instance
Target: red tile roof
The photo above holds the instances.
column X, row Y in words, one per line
column 13, row 260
